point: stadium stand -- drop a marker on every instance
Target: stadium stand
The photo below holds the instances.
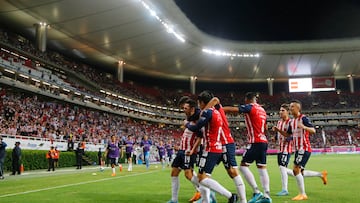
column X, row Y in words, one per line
column 131, row 105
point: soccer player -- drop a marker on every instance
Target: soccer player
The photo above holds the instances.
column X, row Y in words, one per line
column 169, row 152
column 255, row 120
column 161, row 151
column 146, row 144
column 212, row 120
column 182, row 161
column 300, row 128
column 228, row 157
column 129, row 143
column 112, row 151
column 285, row 148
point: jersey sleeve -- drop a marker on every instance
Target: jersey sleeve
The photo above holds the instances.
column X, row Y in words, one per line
column 289, row 130
column 246, row 108
column 306, row 121
column 204, row 119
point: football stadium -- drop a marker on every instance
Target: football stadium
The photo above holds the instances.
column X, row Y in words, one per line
column 179, row 101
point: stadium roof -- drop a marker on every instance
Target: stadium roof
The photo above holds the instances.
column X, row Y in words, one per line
column 157, row 38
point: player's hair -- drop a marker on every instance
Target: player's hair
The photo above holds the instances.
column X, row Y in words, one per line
column 251, row 96
column 285, row 106
column 182, row 100
column 192, row 103
column 205, row 96
column 296, row 101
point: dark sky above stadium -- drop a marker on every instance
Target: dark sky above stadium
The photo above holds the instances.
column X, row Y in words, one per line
column 275, row 20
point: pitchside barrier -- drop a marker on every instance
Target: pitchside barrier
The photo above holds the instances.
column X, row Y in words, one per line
column 36, row 143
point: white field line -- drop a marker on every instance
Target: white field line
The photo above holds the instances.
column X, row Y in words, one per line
column 73, row 184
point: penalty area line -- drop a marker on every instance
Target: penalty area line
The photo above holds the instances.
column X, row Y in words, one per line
column 73, row 184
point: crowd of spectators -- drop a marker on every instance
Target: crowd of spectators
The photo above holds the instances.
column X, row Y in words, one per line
column 35, row 116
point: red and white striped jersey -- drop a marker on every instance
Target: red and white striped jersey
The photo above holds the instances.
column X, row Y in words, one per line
column 285, row 145
column 301, row 136
column 188, row 139
column 226, row 137
column 213, row 131
column 255, row 120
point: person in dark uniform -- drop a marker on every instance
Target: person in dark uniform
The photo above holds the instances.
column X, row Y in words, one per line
column 16, row 158
column 79, row 152
column 2, row 157
column 99, row 156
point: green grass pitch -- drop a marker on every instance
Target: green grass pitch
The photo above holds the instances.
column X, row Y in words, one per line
column 154, row 186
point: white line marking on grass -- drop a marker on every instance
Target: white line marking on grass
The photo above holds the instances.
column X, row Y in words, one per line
column 74, row 184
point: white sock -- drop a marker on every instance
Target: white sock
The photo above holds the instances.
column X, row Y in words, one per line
column 113, row 170
column 312, row 173
column 205, row 193
column 300, row 182
column 249, row 177
column 214, row 185
column 240, row 188
column 289, row 172
column 284, row 178
column 265, row 181
column 195, row 181
column 175, row 186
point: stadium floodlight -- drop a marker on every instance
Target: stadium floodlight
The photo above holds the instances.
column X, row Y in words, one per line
column 168, row 26
column 23, row 57
column 15, row 54
column 24, row 76
column 9, row 71
column 231, row 54
column 2, row 49
column 33, row 79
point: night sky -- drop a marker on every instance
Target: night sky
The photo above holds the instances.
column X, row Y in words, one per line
column 272, row 20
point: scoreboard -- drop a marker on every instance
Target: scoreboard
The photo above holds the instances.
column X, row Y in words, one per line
column 311, row 84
